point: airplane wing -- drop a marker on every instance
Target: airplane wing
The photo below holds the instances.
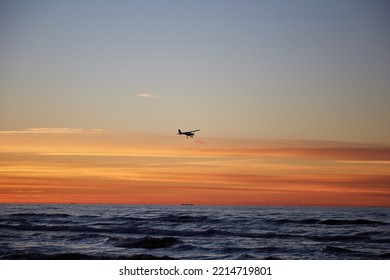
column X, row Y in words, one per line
column 194, row 130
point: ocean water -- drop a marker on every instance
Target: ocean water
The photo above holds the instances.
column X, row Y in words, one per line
column 192, row 232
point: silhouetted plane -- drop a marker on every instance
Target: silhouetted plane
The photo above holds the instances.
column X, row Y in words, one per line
column 188, row 133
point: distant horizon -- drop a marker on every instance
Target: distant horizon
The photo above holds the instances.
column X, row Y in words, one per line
column 193, row 205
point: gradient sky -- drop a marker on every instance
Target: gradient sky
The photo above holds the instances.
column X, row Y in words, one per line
column 292, row 99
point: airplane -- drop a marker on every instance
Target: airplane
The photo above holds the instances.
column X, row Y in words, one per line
column 188, row 133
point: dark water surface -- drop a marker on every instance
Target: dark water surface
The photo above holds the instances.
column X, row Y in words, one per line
column 192, row 232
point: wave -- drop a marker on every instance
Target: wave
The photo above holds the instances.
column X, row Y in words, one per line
column 81, row 256
column 51, row 228
column 346, row 253
column 72, row 228
column 351, row 222
column 128, row 219
column 39, row 215
column 310, row 221
column 184, row 218
column 82, row 237
column 340, row 238
column 147, row 242
column 292, row 221
column 335, row 249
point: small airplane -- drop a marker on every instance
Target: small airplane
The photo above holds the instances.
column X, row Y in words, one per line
column 188, row 133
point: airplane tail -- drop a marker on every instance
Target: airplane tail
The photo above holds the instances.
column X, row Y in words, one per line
column 179, row 131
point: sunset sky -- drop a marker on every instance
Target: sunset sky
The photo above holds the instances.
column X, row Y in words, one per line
column 291, row 98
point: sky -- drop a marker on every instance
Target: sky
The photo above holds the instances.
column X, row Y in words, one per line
column 291, row 99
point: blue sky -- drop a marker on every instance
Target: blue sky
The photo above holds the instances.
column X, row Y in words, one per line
column 276, row 69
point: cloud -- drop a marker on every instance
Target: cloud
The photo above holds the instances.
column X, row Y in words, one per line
column 127, row 167
column 45, row 130
column 147, row 95
column 151, row 95
column 342, row 154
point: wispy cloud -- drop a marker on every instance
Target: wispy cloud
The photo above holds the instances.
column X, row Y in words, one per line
column 151, row 95
column 353, row 154
column 147, row 95
column 57, row 130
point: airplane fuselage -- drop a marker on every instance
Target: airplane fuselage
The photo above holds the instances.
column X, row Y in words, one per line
column 188, row 133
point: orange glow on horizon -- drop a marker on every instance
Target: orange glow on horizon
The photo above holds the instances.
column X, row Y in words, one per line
column 75, row 166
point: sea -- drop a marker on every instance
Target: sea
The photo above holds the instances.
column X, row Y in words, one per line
column 190, row 232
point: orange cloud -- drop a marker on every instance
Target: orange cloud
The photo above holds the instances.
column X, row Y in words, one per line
column 364, row 154
column 104, row 167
